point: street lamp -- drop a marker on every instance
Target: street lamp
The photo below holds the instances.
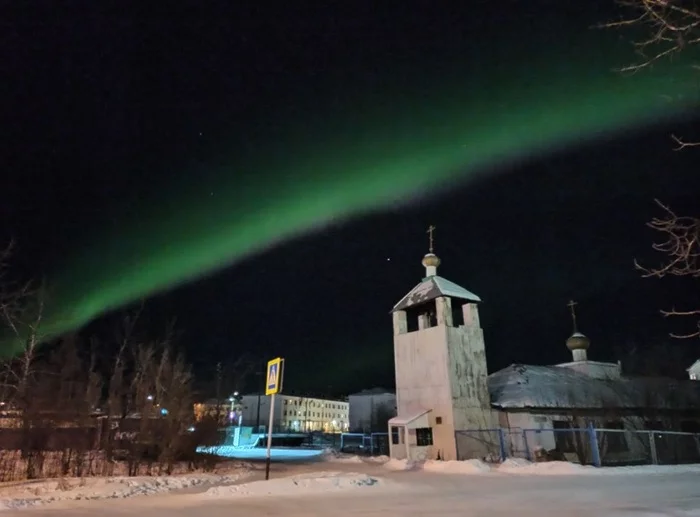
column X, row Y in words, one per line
column 233, row 399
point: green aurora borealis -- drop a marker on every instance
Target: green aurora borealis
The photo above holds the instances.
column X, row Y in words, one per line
column 380, row 148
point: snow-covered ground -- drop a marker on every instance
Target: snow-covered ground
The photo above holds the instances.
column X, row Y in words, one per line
column 26, row 494
column 348, row 486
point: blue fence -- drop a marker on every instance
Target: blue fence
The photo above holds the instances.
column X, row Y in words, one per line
column 586, row 445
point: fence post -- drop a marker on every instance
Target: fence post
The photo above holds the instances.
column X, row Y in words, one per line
column 527, row 446
column 342, row 437
column 457, row 446
column 652, row 448
column 595, row 451
column 502, row 443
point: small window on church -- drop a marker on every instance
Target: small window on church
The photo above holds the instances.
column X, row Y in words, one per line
column 438, row 420
column 395, row 435
column 424, row 436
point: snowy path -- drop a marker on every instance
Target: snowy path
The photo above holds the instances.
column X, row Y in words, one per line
column 423, row 493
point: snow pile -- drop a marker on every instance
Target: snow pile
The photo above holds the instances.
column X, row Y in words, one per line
column 379, row 460
column 28, row 493
column 552, row 468
column 313, row 483
column 457, row 467
column 345, row 458
column 394, row 464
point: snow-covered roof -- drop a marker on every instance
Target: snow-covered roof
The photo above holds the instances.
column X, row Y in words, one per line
column 551, row 387
column 694, row 367
column 433, row 287
column 409, row 418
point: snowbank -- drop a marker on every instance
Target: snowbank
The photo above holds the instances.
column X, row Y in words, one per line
column 21, row 495
column 445, row 467
column 457, row 467
column 335, row 457
column 394, row 464
column 313, row 483
column 554, row 468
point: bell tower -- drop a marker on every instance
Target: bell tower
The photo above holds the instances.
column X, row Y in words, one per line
column 440, row 368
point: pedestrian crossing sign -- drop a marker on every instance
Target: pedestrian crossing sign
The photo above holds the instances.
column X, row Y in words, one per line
column 274, row 376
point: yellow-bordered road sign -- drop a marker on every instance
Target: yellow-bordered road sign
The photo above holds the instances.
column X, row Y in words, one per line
column 273, row 384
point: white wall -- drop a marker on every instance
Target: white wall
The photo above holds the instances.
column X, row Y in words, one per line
column 362, row 406
column 595, row 369
column 694, row 371
column 443, row 369
column 637, row 442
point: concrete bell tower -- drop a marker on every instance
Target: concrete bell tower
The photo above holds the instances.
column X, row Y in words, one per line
column 441, row 372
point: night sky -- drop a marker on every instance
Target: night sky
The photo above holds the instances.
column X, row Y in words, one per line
column 102, row 107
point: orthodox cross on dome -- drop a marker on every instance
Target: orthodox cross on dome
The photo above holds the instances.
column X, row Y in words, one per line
column 431, row 230
column 572, row 307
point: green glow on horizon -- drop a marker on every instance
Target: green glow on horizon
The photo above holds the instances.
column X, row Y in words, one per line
column 350, row 163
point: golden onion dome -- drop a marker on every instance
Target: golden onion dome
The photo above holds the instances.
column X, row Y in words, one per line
column 431, row 260
column 578, row 341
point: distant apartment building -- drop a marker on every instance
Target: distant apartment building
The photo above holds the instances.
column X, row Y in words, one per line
column 291, row 413
column 297, row 414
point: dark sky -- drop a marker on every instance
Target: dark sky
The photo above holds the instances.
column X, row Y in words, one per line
column 102, row 106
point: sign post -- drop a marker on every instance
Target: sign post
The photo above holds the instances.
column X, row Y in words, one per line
column 273, row 385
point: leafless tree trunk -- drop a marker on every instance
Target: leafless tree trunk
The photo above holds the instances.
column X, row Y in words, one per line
column 22, row 312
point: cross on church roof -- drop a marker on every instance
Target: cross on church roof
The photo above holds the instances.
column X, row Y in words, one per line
column 431, row 230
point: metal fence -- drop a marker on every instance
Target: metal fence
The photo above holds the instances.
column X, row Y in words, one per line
column 586, row 445
column 372, row 444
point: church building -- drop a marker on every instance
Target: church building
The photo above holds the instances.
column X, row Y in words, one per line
column 440, row 366
column 449, row 407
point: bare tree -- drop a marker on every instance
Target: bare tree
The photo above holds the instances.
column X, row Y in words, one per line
column 680, row 244
column 669, row 27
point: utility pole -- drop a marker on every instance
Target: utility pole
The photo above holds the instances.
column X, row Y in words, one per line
column 218, row 391
column 257, row 420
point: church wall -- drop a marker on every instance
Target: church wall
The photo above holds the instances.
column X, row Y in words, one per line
column 469, row 378
column 423, row 382
column 638, row 444
column 595, row 369
column 469, row 386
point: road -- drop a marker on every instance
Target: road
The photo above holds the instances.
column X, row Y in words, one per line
column 421, row 493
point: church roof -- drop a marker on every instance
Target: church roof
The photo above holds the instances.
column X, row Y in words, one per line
column 694, row 366
column 433, row 287
column 553, row 387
